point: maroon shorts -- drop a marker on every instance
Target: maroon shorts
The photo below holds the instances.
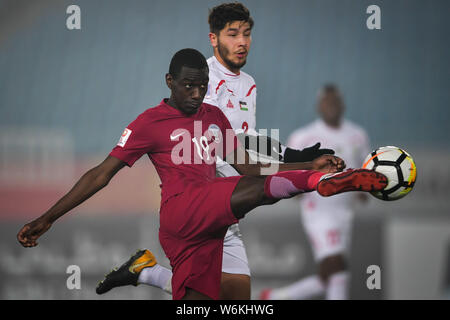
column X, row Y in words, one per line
column 192, row 228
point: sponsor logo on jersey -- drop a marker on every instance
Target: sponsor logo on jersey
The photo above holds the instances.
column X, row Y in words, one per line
column 243, row 105
column 176, row 136
column 230, row 104
column 123, row 139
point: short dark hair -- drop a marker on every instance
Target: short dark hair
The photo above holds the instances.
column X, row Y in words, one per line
column 189, row 58
column 225, row 13
column 328, row 88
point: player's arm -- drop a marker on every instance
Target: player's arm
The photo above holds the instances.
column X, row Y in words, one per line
column 274, row 149
column 240, row 160
column 91, row 182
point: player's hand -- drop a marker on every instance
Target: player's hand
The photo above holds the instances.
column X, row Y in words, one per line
column 30, row 232
column 305, row 155
column 328, row 164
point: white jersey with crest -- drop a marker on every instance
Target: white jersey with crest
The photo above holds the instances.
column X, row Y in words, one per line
column 235, row 95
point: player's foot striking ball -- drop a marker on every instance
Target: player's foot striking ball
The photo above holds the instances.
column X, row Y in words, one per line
column 128, row 273
column 351, row 180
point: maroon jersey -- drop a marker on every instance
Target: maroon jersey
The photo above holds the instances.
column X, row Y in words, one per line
column 183, row 148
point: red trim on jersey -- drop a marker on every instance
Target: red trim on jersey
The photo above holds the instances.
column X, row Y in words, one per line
column 251, row 89
column 221, row 82
column 233, row 75
column 245, row 126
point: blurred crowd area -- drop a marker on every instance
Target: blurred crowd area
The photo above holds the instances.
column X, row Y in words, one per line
column 66, row 95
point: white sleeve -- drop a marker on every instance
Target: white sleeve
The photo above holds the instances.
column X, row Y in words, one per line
column 211, row 96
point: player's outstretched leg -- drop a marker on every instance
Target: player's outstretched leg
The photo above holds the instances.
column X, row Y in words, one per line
column 127, row 273
column 252, row 192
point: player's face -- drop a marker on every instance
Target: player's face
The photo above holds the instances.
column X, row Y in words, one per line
column 232, row 45
column 188, row 90
column 331, row 108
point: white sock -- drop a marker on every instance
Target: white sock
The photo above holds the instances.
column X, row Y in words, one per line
column 305, row 288
column 157, row 276
column 338, row 284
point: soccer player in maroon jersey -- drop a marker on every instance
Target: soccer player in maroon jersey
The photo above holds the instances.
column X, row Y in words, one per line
column 181, row 136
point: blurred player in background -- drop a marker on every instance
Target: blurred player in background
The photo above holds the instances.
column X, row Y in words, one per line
column 234, row 92
column 328, row 221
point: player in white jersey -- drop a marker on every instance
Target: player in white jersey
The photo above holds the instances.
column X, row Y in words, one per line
column 234, row 92
column 328, row 221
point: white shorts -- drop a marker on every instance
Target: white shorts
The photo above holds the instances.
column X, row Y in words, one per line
column 234, row 255
column 329, row 231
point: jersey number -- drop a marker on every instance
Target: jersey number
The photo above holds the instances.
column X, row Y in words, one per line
column 202, row 145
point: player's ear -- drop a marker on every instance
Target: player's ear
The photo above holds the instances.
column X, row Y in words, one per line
column 213, row 39
column 169, row 80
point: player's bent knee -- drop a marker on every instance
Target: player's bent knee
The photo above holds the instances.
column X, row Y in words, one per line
column 235, row 287
column 247, row 195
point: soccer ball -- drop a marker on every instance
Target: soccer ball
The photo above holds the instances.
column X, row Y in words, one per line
column 399, row 168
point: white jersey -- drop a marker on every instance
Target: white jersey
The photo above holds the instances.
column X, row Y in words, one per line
column 235, row 95
column 350, row 142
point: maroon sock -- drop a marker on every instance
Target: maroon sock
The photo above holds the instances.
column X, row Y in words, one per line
column 286, row 184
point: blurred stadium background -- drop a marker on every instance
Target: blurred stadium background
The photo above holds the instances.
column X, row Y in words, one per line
column 66, row 95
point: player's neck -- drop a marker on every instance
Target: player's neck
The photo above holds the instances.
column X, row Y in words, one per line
column 334, row 124
column 236, row 71
column 171, row 102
